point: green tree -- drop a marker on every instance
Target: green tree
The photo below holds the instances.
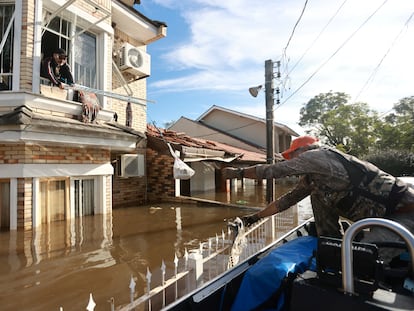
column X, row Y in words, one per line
column 394, row 162
column 349, row 127
column 314, row 110
column 397, row 129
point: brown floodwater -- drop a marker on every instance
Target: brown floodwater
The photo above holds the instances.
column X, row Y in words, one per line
column 60, row 264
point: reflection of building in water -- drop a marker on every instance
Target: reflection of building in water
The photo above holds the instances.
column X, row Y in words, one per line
column 179, row 239
column 43, row 263
column 63, row 237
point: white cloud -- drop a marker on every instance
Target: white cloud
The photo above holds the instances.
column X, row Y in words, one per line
column 230, row 40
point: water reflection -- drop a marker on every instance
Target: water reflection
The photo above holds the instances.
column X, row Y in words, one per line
column 60, row 264
column 248, row 193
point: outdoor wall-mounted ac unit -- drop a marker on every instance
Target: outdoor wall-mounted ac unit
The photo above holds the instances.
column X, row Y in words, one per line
column 132, row 165
column 134, row 60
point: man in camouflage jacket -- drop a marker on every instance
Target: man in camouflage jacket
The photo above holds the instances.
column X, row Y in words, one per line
column 339, row 185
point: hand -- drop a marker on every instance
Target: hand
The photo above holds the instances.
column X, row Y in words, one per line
column 250, row 219
column 231, row 172
column 235, row 225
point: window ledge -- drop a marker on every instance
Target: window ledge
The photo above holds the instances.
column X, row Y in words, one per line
column 57, row 105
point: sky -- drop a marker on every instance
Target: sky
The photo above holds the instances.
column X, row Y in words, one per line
column 215, row 50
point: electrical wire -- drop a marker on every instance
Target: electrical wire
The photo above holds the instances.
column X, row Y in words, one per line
column 374, row 72
column 318, row 36
column 215, row 133
column 332, row 55
column 229, row 130
column 294, row 28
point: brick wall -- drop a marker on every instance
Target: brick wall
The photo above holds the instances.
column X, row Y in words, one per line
column 94, row 11
column 37, row 154
column 129, row 191
column 139, row 112
column 161, row 182
column 138, row 87
column 24, row 203
column 27, row 36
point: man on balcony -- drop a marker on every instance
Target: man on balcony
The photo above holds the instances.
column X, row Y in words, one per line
column 56, row 69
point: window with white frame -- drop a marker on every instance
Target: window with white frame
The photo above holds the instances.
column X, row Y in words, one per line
column 6, row 47
column 79, row 45
column 84, row 200
column 85, row 59
column 53, row 198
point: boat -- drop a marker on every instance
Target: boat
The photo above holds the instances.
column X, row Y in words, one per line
column 300, row 271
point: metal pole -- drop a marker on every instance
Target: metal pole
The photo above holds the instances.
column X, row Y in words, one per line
column 269, row 88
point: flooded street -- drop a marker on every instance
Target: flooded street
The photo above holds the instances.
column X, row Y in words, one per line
column 61, row 264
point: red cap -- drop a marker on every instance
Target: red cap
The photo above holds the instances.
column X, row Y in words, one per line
column 299, row 142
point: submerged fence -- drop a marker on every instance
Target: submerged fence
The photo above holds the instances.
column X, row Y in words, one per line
column 197, row 266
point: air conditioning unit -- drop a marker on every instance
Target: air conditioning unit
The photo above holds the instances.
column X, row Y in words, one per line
column 134, row 60
column 131, row 165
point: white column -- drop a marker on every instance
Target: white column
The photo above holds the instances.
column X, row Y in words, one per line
column 100, row 195
column 270, row 228
column 104, row 40
column 177, row 181
column 13, row 203
column 71, row 199
column 195, row 261
column 36, row 210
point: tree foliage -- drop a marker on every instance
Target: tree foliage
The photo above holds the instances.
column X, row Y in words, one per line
column 316, row 108
column 397, row 129
column 394, row 162
column 353, row 128
column 349, row 127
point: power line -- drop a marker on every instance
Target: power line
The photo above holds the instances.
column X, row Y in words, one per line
column 385, row 113
column 374, row 72
column 288, row 42
column 330, row 57
column 228, row 130
column 318, row 36
column 294, row 28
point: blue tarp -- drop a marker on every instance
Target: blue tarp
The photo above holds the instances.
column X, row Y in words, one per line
column 263, row 279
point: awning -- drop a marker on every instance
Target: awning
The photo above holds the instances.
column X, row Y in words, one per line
column 226, row 160
column 193, row 154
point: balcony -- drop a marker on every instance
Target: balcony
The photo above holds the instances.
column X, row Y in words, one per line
column 52, row 118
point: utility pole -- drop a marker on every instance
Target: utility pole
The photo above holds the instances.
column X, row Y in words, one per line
column 269, row 89
column 270, row 139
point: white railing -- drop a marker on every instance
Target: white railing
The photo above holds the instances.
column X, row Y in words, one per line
column 209, row 261
column 200, row 265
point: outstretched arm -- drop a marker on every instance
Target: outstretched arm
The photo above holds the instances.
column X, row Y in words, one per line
column 253, row 172
column 301, row 191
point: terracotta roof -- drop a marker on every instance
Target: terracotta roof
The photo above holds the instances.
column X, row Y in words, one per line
column 182, row 139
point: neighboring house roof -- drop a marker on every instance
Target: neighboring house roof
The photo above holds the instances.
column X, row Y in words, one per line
column 282, row 127
column 204, row 130
column 196, row 149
